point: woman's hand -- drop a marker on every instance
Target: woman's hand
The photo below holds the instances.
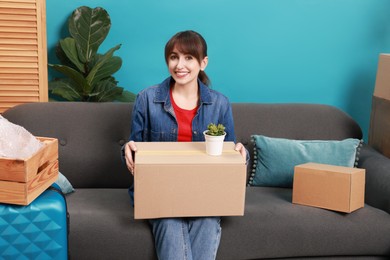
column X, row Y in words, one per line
column 130, row 148
column 240, row 147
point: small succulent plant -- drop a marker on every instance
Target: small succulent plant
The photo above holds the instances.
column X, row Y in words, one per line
column 215, row 130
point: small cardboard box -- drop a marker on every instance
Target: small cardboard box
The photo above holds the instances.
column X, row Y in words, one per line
column 178, row 179
column 330, row 187
column 379, row 133
column 21, row 181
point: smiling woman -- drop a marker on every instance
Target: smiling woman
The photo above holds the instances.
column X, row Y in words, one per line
column 186, row 57
column 190, row 45
column 179, row 109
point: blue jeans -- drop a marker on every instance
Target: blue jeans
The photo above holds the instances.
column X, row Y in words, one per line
column 186, row 238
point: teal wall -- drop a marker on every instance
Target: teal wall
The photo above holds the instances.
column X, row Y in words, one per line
column 267, row 51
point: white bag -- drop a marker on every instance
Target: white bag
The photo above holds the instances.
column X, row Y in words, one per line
column 16, row 142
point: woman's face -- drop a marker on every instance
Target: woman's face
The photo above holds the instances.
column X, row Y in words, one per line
column 184, row 68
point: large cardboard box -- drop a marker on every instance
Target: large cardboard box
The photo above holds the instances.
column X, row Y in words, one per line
column 21, row 181
column 379, row 133
column 178, row 179
column 330, row 187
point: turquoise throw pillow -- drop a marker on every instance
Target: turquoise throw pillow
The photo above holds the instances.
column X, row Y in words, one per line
column 65, row 185
column 275, row 158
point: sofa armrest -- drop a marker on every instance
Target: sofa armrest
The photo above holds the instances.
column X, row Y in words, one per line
column 377, row 167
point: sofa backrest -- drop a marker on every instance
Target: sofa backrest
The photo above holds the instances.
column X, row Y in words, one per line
column 91, row 135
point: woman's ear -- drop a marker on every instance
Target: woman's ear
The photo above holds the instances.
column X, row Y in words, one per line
column 204, row 63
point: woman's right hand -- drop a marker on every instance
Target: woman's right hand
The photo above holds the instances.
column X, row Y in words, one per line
column 130, row 147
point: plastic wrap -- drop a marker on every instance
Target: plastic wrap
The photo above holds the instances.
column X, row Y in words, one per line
column 16, row 142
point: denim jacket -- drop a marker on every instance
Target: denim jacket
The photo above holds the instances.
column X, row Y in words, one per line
column 153, row 118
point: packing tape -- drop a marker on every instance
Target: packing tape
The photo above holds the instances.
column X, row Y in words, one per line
column 182, row 152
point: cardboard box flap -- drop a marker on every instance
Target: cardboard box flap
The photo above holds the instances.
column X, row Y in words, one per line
column 329, row 169
column 382, row 84
column 185, row 152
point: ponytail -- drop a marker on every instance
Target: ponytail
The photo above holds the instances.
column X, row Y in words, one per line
column 204, row 78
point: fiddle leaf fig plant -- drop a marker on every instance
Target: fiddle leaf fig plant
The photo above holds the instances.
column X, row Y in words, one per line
column 88, row 74
column 215, row 130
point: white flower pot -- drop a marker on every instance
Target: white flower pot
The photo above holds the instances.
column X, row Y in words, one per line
column 214, row 144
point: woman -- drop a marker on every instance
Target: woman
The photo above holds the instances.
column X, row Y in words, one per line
column 179, row 109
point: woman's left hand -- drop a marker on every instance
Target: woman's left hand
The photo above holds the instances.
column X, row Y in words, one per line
column 240, row 147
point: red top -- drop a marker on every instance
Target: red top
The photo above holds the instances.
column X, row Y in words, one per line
column 184, row 120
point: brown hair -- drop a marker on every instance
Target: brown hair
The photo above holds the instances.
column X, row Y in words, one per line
column 189, row 42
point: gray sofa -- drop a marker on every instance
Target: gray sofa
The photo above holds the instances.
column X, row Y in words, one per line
column 101, row 219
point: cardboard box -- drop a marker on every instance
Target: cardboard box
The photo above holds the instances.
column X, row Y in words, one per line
column 21, row 181
column 379, row 133
column 178, row 179
column 330, row 187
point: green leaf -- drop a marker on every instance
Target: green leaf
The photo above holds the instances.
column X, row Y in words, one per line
column 106, row 91
column 64, row 89
column 107, row 68
column 68, row 45
column 64, row 60
column 98, row 72
column 89, row 27
column 77, row 77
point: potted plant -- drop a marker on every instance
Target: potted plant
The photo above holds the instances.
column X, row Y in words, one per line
column 88, row 74
column 214, row 136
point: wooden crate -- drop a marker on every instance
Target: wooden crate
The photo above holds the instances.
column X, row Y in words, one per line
column 21, row 181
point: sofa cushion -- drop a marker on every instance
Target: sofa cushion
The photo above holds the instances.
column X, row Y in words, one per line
column 102, row 226
column 273, row 227
column 275, row 158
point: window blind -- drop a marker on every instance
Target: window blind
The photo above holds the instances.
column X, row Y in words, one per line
column 23, row 53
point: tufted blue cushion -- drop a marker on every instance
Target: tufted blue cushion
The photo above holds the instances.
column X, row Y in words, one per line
column 275, row 158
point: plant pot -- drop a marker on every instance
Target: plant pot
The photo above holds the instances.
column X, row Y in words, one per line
column 214, row 144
